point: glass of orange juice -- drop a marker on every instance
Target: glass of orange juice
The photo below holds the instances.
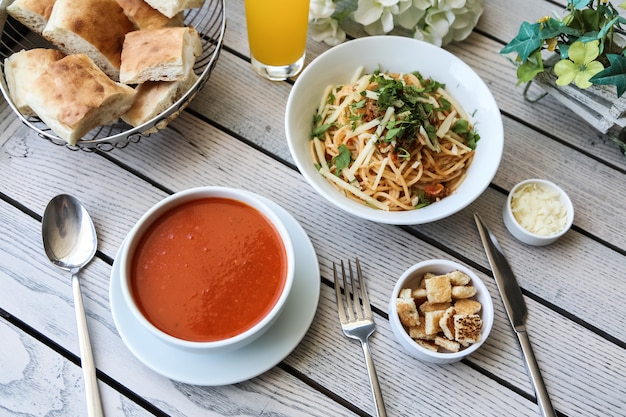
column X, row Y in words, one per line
column 277, row 31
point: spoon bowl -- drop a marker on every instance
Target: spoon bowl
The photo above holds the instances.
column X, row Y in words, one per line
column 70, row 242
column 69, row 236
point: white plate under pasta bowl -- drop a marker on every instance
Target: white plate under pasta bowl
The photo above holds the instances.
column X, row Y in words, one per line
column 400, row 55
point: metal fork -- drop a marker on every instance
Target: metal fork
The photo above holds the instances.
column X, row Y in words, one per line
column 358, row 323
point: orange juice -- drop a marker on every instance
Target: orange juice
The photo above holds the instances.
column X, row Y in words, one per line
column 277, row 30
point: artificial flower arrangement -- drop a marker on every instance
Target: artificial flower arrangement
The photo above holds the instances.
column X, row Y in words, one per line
column 435, row 21
column 582, row 47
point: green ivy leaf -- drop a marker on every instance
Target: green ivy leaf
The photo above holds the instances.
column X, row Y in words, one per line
column 527, row 41
column 599, row 35
column 591, row 18
column 578, row 4
column 564, row 48
column 614, row 74
column 608, row 26
column 527, row 71
column 551, row 28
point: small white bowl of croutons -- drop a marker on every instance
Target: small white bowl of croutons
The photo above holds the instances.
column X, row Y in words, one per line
column 440, row 311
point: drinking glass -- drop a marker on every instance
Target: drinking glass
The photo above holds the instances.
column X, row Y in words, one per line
column 277, row 31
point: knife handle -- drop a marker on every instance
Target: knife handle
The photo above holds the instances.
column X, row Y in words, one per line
column 543, row 400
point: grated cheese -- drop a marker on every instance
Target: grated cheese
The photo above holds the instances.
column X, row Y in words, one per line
column 539, row 210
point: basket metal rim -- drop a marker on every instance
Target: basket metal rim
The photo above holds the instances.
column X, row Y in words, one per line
column 129, row 134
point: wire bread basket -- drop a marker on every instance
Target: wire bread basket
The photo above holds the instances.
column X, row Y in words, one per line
column 209, row 21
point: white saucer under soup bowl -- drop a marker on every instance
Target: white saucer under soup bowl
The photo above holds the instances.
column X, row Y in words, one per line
column 206, row 368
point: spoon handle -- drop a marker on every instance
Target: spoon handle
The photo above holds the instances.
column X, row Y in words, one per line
column 94, row 406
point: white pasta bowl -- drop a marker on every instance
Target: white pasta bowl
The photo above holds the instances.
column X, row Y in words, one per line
column 399, row 55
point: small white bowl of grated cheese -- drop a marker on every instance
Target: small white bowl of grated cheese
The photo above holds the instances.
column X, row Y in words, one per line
column 538, row 212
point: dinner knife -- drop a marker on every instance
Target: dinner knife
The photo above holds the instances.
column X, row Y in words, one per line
column 515, row 307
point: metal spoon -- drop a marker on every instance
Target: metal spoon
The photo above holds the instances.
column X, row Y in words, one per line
column 70, row 242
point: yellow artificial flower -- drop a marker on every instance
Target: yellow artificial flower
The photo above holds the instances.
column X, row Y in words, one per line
column 552, row 43
column 580, row 66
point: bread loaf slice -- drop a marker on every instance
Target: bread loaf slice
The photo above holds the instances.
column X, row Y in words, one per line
column 33, row 14
column 73, row 95
column 171, row 7
column 95, row 28
column 154, row 97
column 166, row 54
column 145, row 16
column 21, row 69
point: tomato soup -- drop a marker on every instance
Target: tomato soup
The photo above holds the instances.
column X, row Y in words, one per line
column 208, row 269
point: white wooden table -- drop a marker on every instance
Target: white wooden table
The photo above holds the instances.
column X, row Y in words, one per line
column 233, row 134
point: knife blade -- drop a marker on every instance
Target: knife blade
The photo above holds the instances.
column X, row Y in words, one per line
column 516, row 310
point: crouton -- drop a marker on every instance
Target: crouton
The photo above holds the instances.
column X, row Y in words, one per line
column 419, row 295
column 447, row 323
column 438, row 289
column 426, row 276
column 458, row 278
column 467, row 328
column 463, row 291
column 428, row 306
column 405, row 293
column 419, row 332
column 467, row 306
column 426, row 344
column 407, row 312
column 447, row 344
column 431, row 321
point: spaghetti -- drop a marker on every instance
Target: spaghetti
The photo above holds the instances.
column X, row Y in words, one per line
column 394, row 141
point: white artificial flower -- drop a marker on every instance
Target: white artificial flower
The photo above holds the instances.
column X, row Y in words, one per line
column 369, row 12
column 327, row 30
column 424, row 4
column 381, row 26
column 439, row 22
column 426, row 36
column 321, row 9
column 404, row 6
column 465, row 19
column 450, row 4
column 435, row 21
column 462, row 27
column 411, row 17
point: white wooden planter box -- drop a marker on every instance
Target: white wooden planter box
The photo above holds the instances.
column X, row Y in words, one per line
column 598, row 105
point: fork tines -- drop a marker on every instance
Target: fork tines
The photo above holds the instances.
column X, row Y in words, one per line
column 358, row 289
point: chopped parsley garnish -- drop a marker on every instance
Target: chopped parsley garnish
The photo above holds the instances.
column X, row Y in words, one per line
column 445, row 104
column 320, row 130
column 412, row 107
column 342, row 160
column 403, row 153
column 461, row 128
column 358, row 105
column 422, row 200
